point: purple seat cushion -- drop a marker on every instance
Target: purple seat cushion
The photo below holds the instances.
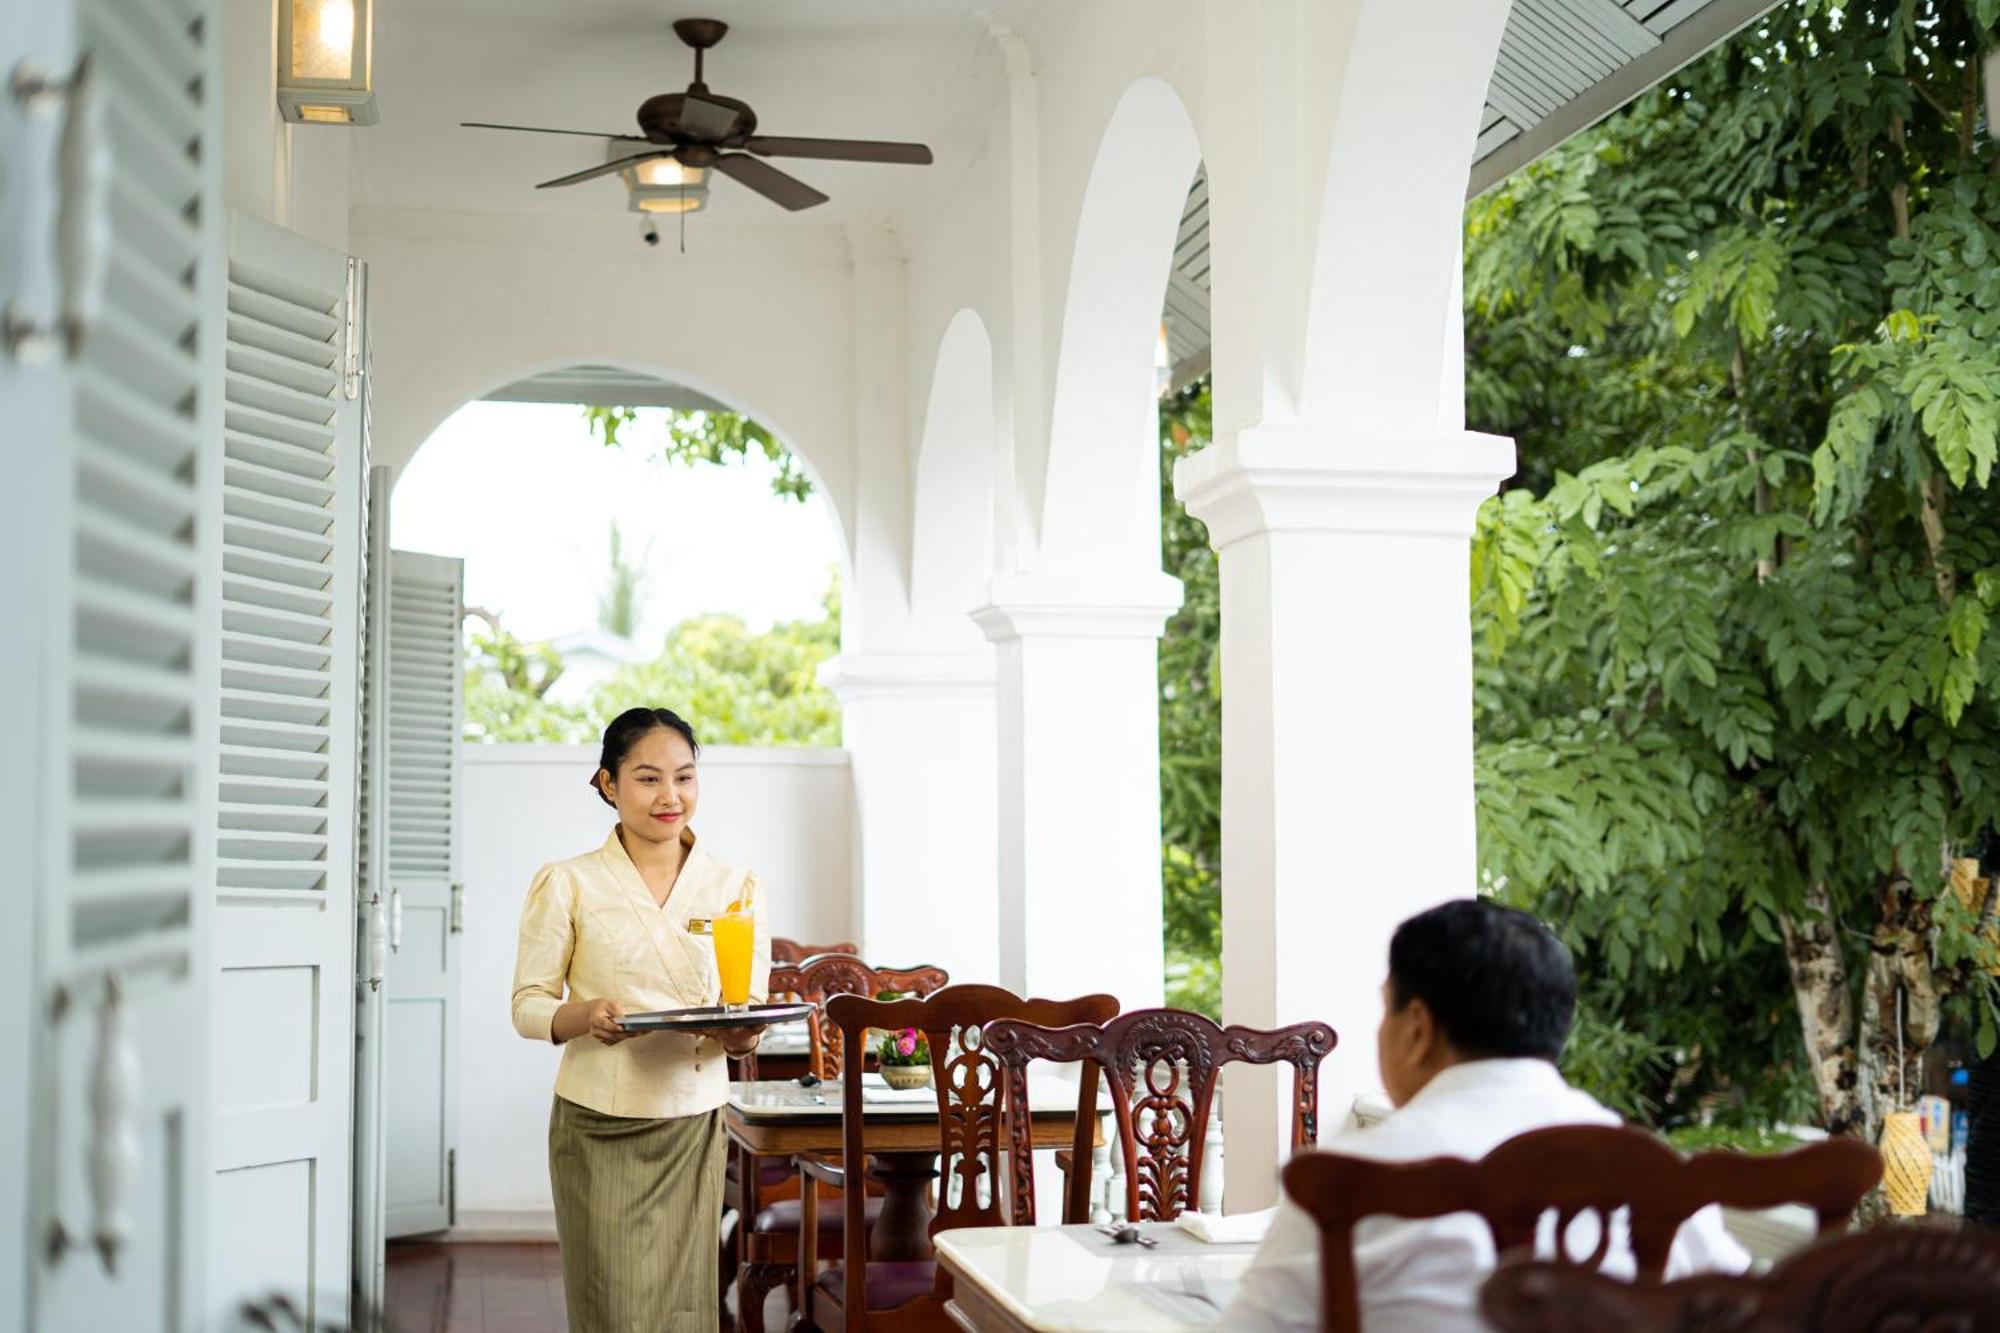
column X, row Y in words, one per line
column 889, row 1285
column 784, row 1216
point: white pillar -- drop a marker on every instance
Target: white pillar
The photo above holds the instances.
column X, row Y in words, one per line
column 920, row 728
column 1347, row 797
column 1079, row 765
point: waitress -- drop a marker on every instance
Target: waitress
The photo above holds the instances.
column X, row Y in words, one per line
column 636, row 1137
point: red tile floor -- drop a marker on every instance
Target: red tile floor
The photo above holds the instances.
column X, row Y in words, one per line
column 435, row 1288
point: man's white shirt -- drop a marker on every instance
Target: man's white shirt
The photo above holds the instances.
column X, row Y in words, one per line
column 1423, row 1276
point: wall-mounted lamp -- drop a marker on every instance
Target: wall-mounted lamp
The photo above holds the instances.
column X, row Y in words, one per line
column 326, row 51
column 663, row 185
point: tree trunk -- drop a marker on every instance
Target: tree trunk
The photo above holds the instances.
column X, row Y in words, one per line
column 1898, row 965
column 1819, row 983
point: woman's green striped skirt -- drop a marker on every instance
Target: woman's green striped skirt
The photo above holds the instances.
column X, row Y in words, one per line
column 637, row 1208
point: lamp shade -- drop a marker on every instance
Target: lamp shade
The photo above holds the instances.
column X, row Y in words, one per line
column 326, row 62
column 664, row 185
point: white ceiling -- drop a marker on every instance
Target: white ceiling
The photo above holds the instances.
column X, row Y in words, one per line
column 862, row 69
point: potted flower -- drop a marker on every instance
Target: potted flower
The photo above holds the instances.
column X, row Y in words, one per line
column 903, row 1053
column 906, row 1058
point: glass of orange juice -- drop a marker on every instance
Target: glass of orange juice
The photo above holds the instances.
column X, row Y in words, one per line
column 735, row 934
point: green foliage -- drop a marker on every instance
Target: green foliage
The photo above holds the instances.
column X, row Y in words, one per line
column 1190, row 728
column 1731, row 619
column 704, row 437
column 738, row 688
column 618, row 605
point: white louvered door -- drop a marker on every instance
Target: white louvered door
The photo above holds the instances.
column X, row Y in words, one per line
column 110, row 255
column 426, row 685
column 284, row 909
column 370, row 1259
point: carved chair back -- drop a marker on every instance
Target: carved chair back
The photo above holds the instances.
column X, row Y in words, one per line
column 1890, row 1279
column 824, row 976
column 968, row 1084
column 791, row 951
column 1161, row 1065
column 1570, row 1171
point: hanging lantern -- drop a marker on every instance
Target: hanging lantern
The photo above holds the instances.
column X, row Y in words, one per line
column 1906, row 1164
column 326, row 56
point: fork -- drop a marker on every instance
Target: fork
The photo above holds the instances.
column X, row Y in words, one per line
column 1193, row 1286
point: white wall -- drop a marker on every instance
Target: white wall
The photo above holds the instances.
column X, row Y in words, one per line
column 786, row 814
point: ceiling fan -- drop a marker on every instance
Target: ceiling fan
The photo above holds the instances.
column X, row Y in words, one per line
column 704, row 129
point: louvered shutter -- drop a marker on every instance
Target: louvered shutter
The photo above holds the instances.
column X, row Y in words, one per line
column 426, row 606
column 292, row 503
column 106, row 784
column 370, row 1145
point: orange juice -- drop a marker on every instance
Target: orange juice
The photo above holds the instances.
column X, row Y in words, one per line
column 735, row 939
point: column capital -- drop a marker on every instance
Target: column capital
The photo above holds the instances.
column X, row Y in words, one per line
column 947, row 674
column 1321, row 479
column 1062, row 604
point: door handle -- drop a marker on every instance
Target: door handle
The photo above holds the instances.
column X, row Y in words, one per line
column 114, row 1127
column 82, row 228
column 378, row 941
column 458, row 909
column 395, row 920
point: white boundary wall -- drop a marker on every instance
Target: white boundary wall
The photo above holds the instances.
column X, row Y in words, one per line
column 787, row 814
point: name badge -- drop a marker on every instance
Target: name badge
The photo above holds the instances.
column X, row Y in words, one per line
column 700, row 925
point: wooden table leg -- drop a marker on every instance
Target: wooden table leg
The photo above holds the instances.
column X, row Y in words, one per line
column 902, row 1228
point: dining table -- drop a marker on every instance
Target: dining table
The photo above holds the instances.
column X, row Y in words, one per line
column 781, row 1118
column 1078, row 1279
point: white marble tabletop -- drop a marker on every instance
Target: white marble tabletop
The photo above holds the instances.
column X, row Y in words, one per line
column 771, row 1100
column 1076, row 1280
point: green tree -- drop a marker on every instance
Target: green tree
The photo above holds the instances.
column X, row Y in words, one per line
column 619, row 604
column 705, row 437
column 1190, row 728
column 738, row 688
column 1737, row 706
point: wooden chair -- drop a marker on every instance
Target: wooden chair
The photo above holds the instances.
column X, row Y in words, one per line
column 1569, row 1170
column 766, row 1190
column 1161, row 1065
column 791, row 951
column 1890, row 1279
column 861, row 1294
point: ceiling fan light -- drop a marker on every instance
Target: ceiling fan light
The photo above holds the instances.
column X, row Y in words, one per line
column 669, row 171
column 676, row 202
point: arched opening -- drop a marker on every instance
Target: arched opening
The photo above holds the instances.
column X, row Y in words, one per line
column 694, row 564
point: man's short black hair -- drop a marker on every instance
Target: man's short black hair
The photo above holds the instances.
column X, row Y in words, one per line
column 1498, row 982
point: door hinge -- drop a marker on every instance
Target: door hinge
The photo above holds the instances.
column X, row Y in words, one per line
column 351, row 357
column 458, row 909
column 451, row 1187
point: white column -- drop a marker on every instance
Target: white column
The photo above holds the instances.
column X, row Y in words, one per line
column 1079, row 768
column 920, row 728
column 1347, row 798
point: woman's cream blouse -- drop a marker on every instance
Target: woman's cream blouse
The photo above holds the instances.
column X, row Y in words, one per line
column 590, row 927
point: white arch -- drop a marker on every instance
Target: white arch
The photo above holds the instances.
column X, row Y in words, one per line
column 1384, row 329
column 952, row 519
column 477, row 389
column 1100, row 506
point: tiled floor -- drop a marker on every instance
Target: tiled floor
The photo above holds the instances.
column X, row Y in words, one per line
column 436, row 1288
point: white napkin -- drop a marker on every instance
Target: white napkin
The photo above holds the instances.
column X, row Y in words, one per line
column 882, row 1092
column 1233, row 1229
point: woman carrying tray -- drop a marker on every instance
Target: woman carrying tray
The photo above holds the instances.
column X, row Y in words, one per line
column 636, row 1137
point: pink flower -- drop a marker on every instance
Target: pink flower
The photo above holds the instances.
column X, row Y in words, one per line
column 906, row 1043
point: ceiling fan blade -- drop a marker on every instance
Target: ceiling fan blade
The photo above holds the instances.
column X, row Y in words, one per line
column 841, row 150
column 703, row 119
column 604, row 169
column 787, row 191
column 536, row 129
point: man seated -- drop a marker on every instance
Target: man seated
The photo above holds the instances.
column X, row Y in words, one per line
column 1477, row 1004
